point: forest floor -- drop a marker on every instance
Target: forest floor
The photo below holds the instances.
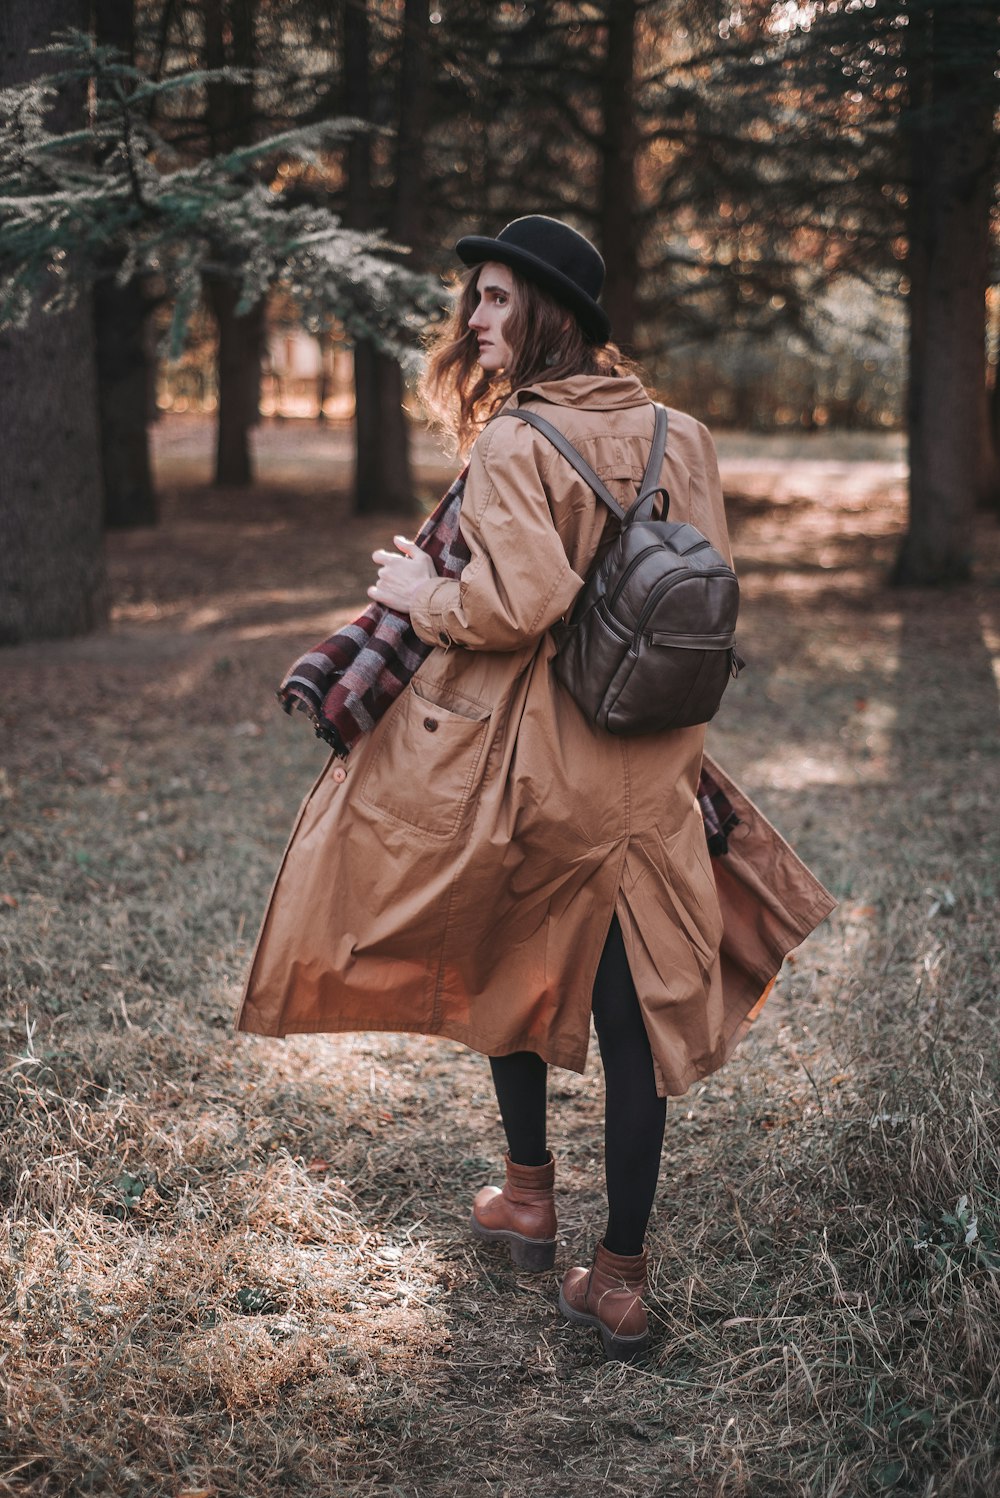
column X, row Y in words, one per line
column 234, row 1266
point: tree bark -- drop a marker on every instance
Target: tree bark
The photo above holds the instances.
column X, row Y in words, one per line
column 122, row 364
column 414, row 118
column 382, row 470
column 123, row 405
column 382, row 476
column 619, row 231
column 230, row 41
column 238, row 359
column 52, row 579
column 952, row 152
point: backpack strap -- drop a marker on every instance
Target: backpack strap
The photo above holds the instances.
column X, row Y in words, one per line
column 650, row 479
column 584, row 469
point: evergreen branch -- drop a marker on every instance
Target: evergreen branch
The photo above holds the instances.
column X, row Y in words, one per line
column 96, row 199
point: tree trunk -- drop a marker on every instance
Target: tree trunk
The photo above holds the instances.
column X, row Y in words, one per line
column 241, row 343
column 407, row 220
column 619, row 230
column 230, row 41
column 122, row 365
column 382, row 477
column 952, row 152
column 382, row 481
column 123, row 405
column 52, row 579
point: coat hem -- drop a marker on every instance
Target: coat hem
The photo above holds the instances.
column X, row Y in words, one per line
column 733, row 1035
column 569, row 1060
column 245, row 999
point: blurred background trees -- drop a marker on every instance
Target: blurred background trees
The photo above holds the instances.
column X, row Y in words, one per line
column 51, row 565
column 897, row 150
column 796, row 202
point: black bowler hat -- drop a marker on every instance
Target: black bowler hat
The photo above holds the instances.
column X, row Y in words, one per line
column 555, row 257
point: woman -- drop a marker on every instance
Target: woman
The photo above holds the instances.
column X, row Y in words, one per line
column 488, row 865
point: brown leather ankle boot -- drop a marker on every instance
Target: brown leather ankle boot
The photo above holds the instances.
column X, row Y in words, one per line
column 521, row 1213
column 609, row 1296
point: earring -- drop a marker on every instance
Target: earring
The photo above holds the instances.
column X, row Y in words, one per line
column 551, row 359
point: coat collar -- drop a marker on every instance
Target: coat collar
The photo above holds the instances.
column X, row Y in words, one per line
column 587, row 392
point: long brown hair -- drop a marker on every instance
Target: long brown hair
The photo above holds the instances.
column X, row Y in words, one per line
column 460, row 397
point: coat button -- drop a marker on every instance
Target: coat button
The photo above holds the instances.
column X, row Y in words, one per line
column 431, row 725
column 340, row 774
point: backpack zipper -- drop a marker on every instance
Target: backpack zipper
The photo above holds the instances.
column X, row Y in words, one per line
column 636, row 561
column 665, row 587
column 623, row 580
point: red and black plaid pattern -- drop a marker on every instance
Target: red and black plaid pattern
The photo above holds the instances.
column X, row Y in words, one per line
column 717, row 814
column 345, row 683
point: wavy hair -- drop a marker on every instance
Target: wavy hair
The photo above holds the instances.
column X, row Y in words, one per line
column 460, row 397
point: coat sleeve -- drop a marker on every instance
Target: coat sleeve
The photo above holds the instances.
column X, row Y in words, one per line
column 518, row 580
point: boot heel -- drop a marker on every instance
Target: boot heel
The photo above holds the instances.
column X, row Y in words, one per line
column 533, row 1256
column 624, row 1349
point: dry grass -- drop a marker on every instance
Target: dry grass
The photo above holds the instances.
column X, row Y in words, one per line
column 241, row 1267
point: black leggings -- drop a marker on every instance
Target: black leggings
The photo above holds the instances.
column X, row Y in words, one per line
column 633, row 1118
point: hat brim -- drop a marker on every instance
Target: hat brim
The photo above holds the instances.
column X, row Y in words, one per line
column 475, row 249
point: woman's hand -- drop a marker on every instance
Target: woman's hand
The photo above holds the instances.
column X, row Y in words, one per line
column 401, row 575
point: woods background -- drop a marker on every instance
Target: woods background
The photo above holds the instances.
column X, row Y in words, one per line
column 231, row 1266
column 795, row 203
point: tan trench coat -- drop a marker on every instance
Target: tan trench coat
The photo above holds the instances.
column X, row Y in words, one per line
column 458, row 876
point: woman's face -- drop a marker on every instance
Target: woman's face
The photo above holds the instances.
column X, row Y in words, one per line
column 494, row 298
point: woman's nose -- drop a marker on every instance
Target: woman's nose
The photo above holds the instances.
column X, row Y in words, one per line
column 475, row 321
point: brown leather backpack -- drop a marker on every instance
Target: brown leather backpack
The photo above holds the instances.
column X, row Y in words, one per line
column 650, row 643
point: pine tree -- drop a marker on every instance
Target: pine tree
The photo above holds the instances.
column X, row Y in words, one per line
column 51, row 561
column 88, row 196
column 878, row 118
column 124, row 375
column 382, row 478
column 108, row 191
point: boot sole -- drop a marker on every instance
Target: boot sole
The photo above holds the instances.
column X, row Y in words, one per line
column 534, row 1254
column 616, row 1349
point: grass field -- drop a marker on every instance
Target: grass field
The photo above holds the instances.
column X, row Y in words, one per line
column 241, row 1267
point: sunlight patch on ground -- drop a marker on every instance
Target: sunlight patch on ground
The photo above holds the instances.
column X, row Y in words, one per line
column 188, row 620
column 991, row 639
column 787, row 770
column 308, row 625
column 835, row 485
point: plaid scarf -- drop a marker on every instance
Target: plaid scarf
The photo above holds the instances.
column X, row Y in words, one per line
column 346, row 683
column 717, row 813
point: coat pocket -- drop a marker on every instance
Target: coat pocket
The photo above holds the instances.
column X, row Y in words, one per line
column 425, row 768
